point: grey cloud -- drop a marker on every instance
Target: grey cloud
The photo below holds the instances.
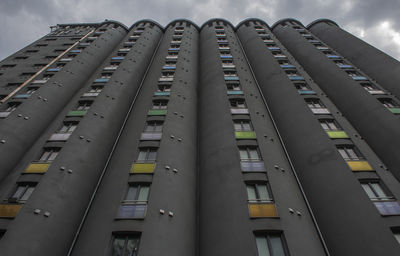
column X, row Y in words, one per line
column 25, row 21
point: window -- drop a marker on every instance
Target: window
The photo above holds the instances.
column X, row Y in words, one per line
column 237, row 103
column 147, row 155
column 316, row 106
column 258, row 193
column 389, row 103
column 396, row 233
column 248, row 153
column 153, row 126
column 164, row 87
column 314, row 103
column 137, row 193
column 68, row 127
column 49, row 154
column 160, row 104
column 375, row 191
column 84, row 105
column 135, row 202
column 271, row 245
column 125, row 245
column 22, row 193
column 242, row 125
column 12, row 106
column 349, row 153
column 31, row 90
column 329, row 125
column 96, row 89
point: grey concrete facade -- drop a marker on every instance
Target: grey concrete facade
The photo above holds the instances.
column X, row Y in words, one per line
column 191, row 141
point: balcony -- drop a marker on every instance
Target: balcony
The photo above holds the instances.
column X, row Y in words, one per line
column 262, row 210
column 65, row 60
column 117, row 58
column 239, row 111
column 4, row 114
column 143, row 167
column 37, row 167
column 151, row 136
column 226, row 56
column 337, row 134
column 280, row 56
column 42, row 81
column 9, row 210
column 110, row 68
column 75, row 51
column 322, row 48
column 173, row 49
column 268, row 41
column 235, row 92
column 359, row 165
column 332, row 56
column 295, row 78
column 77, row 113
column 344, row 66
column 284, row 66
column 53, row 69
column 132, row 211
column 245, row 135
column 395, row 110
column 274, row 48
column 169, row 67
column 124, row 50
column 306, row 92
column 228, row 66
column 101, row 80
column 320, row 111
column 157, row 112
column 388, row 208
column 376, row 92
column 171, row 57
column 166, row 79
column 90, row 94
column 162, row 93
column 59, row 137
column 359, row 78
column 129, row 43
column 252, row 166
column 231, row 78
column 22, row 96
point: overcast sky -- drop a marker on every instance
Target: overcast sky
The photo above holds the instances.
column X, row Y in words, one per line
column 23, row 21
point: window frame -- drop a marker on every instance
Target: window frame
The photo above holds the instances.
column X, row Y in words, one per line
column 267, row 237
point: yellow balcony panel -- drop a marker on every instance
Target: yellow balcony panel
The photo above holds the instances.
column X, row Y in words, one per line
column 143, row 167
column 262, row 210
column 337, row 134
column 359, row 166
column 9, row 210
column 37, row 168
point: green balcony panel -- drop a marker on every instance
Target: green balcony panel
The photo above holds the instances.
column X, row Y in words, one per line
column 77, row 113
column 337, row 134
column 157, row 112
column 245, row 135
column 395, row 110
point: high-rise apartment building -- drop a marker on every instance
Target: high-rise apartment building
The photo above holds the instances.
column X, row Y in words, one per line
column 216, row 140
